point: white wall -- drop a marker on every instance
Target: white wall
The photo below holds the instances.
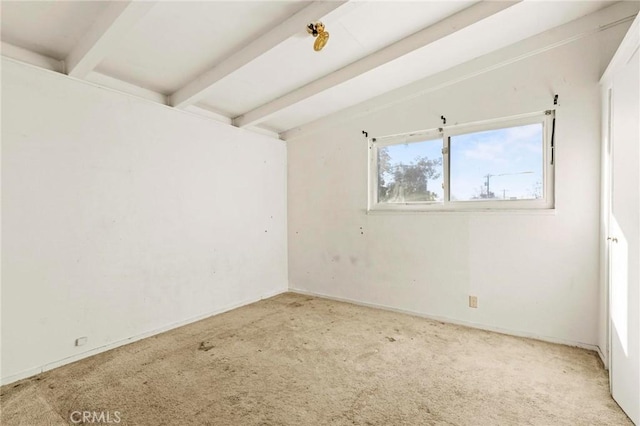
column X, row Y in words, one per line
column 122, row 217
column 534, row 273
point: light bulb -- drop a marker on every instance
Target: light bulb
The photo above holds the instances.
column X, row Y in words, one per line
column 321, row 41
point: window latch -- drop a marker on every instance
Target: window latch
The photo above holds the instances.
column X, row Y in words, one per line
column 445, row 150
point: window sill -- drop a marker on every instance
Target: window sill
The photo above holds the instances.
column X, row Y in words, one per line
column 465, row 212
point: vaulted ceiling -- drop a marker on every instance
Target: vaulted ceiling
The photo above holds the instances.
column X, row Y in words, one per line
column 252, row 63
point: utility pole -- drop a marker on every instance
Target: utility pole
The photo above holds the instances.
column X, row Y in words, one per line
column 486, row 184
column 488, row 177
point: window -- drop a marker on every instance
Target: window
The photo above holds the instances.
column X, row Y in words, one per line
column 501, row 164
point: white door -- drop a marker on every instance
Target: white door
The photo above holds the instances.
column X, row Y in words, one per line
column 624, row 237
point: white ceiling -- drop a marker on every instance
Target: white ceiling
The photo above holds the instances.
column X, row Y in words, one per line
column 360, row 31
column 177, row 41
column 252, row 62
column 51, row 28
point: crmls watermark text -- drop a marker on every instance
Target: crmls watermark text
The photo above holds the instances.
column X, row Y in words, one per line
column 104, row 417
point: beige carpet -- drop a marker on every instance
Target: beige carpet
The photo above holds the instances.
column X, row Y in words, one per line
column 296, row 360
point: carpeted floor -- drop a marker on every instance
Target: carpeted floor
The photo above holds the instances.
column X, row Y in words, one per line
column 296, row 360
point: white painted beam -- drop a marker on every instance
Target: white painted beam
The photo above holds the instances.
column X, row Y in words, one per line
column 32, row 58
column 441, row 29
column 263, row 130
column 197, row 89
column 104, row 36
column 125, row 87
column 616, row 14
column 209, row 112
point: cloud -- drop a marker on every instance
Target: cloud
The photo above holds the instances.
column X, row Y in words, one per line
column 504, row 154
column 487, row 151
column 502, row 145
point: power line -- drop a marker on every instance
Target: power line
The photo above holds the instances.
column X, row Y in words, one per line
column 488, row 177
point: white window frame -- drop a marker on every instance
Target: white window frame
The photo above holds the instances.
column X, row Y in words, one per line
column 546, row 118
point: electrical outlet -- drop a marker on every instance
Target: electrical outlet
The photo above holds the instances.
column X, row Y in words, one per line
column 81, row 341
column 473, row 301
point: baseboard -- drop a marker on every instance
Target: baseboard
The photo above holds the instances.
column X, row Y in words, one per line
column 501, row 330
column 77, row 357
column 68, row 360
column 603, row 359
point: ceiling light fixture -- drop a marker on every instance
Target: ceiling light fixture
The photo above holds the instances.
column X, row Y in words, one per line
column 316, row 29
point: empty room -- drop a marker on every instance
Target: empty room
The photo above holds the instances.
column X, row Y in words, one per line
column 320, row 213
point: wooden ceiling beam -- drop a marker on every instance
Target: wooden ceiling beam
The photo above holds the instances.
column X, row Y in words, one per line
column 105, row 35
column 196, row 90
column 424, row 37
